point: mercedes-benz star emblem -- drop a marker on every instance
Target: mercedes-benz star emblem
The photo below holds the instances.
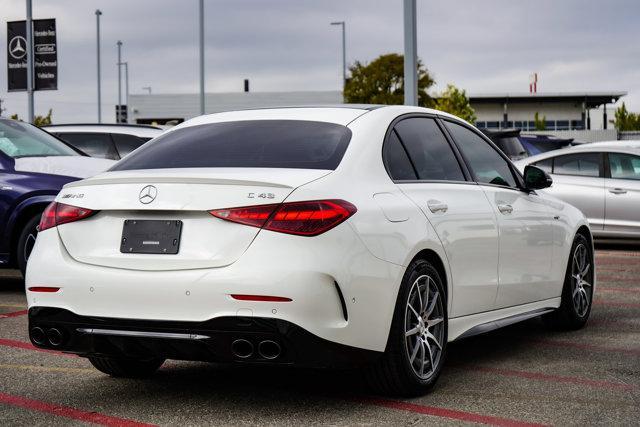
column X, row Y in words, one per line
column 148, row 194
column 18, row 47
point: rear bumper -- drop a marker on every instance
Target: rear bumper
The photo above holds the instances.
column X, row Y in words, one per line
column 210, row 341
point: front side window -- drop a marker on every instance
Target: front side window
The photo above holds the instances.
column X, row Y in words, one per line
column 93, row 144
column 429, row 150
column 488, row 166
column 579, row 164
column 624, row 166
column 249, row 144
column 24, row 140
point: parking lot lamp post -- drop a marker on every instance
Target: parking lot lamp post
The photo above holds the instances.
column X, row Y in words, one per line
column 201, row 39
column 29, row 29
column 98, row 13
column 119, row 44
column 410, row 54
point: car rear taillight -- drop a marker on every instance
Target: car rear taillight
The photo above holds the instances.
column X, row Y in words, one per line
column 300, row 218
column 58, row 213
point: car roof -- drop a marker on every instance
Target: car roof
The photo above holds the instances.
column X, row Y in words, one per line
column 340, row 114
column 630, row 147
column 143, row 131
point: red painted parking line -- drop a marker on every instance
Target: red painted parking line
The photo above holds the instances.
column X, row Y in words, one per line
column 14, row 314
column 614, row 289
column 617, row 261
column 446, row 413
column 604, row 278
column 617, row 254
column 68, row 412
column 552, row 378
column 616, row 303
column 28, row 346
column 581, row 346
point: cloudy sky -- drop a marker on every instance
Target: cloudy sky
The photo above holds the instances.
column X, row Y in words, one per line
column 283, row 45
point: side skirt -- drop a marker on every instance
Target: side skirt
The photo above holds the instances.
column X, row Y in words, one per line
column 463, row 327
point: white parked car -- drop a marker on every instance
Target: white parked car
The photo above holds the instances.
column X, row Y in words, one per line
column 602, row 179
column 311, row 236
column 108, row 141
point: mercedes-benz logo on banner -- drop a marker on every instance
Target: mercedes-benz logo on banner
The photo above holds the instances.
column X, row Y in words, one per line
column 18, row 47
column 148, row 194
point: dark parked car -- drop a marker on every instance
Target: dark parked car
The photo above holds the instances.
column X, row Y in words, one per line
column 538, row 144
column 507, row 141
column 107, row 141
column 33, row 168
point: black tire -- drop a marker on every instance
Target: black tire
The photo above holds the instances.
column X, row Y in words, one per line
column 26, row 240
column 571, row 315
column 395, row 373
column 126, row 368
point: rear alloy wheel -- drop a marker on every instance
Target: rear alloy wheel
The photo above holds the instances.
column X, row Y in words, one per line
column 26, row 240
column 577, row 293
column 126, row 368
column 417, row 342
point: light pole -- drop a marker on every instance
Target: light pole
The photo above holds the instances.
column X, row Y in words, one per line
column 119, row 44
column 201, row 25
column 29, row 37
column 126, row 86
column 344, row 54
column 410, row 54
column 98, row 13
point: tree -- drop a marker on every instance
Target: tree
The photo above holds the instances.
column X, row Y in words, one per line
column 456, row 102
column 540, row 124
column 38, row 120
column 626, row 120
column 382, row 82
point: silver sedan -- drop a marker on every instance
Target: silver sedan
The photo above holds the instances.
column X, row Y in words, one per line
column 601, row 179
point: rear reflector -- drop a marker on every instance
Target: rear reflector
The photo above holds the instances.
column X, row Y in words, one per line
column 59, row 213
column 300, row 218
column 260, row 298
column 43, row 289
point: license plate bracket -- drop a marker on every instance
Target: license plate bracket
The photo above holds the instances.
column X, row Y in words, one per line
column 151, row 236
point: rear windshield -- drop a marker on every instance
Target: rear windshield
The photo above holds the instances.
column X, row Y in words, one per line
column 250, row 144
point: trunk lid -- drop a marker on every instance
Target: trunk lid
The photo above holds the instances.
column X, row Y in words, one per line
column 172, row 194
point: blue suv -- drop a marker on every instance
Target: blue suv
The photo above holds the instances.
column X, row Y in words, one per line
column 34, row 166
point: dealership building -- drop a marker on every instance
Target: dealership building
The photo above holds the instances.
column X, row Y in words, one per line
column 568, row 111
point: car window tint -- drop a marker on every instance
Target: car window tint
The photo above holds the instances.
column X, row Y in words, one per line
column 93, row 144
column 396, row 160
column 19, row 139
column 546, row 165
column 429, row 150
column 126, row 143
column 248, row 143
column 487, row 164
column 624, row 166
column 580, row 164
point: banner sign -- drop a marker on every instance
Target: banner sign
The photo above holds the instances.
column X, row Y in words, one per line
column 45, row 55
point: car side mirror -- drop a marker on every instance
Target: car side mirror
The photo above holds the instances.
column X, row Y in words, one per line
column 536, row 179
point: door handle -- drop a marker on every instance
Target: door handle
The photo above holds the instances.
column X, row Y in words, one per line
column 505, row 208
column 436, row 206
column 617, row 191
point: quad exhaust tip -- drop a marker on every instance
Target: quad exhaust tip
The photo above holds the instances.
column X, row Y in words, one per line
column 38, row 336
column 242, row 348
column 269, row 349
column 54, row 336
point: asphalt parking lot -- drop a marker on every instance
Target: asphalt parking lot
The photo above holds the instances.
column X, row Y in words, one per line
column 522, row 375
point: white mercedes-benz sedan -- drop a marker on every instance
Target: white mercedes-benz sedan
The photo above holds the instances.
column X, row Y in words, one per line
column 320, row 236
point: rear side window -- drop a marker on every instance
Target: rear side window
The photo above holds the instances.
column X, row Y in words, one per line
column 487, row 164
column 581, row 164
column 429, row 150
column 250, row 144
column 93, row 144
column 396, row 160
column 126, row 143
